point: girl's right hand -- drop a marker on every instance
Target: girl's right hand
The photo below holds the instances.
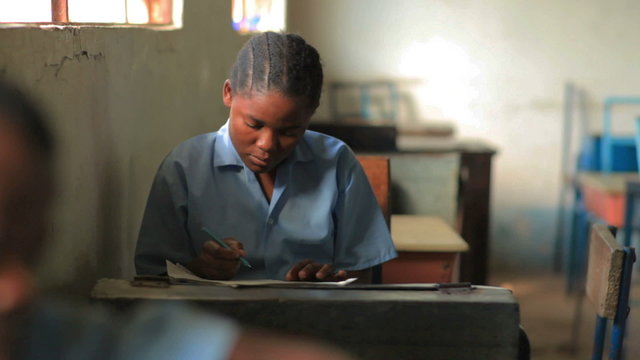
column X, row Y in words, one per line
column 217, row 263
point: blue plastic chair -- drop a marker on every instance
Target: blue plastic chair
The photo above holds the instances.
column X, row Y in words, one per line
column 610, row 142
column 607, row 153
column 607, row 288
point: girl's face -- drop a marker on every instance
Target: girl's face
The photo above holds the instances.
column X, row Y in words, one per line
column 265, row 127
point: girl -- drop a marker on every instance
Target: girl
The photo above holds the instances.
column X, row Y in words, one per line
column 294, row 203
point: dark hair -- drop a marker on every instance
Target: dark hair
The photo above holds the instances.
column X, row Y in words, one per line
column 18, row 109
column 24, row 225
column 282, row 62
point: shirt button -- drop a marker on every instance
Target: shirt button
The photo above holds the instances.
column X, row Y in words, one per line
column 270, row 221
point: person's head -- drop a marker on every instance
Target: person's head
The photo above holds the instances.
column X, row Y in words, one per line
column 273, row 90
column 25, row 189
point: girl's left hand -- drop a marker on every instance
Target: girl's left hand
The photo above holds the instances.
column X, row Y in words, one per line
column 309, row 270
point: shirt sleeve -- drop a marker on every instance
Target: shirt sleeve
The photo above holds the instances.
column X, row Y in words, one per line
column 362, row 237
column 163, row 232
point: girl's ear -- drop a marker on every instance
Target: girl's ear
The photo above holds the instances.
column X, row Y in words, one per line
column 227, row 93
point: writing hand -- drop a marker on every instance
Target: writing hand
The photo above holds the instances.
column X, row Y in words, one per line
column 217, row 263
column 309, row 270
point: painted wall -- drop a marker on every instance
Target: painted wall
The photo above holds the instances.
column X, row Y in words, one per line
column 496, row 70
column 120, row 100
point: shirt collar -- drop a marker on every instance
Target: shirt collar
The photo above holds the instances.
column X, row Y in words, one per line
column 302, row 152
column 225, row 153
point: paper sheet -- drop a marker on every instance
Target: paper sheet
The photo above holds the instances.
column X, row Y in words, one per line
column 179, row 274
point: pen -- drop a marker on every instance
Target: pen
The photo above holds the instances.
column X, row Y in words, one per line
column 224, row 245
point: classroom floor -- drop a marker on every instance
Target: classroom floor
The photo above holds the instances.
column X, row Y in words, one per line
column 547, row 315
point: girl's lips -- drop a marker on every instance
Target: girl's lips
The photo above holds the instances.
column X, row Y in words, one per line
column 259, row 161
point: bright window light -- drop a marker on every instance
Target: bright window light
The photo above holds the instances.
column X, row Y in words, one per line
column 15, row 11
column 97, row 11
column 447, row 72
column 249, row 16
column 177, row 13
column 167, row 13
column 137, row 12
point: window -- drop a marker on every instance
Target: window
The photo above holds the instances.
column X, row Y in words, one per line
column 162, row 13
column 250, row 16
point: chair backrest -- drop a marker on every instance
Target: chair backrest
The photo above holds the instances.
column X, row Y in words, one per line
column 377, row 170
column 604, row 271
column 608, row 285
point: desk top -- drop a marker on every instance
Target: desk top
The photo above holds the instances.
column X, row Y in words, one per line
column 422, row 144
column 120, row 289
column 416, row 233
column 611, row 183
column 467, row 323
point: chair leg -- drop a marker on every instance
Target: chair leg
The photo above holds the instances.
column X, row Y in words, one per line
column 598, row 338
column 622, row 311
column 577, row 251
column 628, row 219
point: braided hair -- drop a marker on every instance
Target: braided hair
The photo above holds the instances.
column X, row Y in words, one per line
column 282, row 62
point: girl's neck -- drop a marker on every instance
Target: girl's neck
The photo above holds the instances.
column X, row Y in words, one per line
column 267, row 184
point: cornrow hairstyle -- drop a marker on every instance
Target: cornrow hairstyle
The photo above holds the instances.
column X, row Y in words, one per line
column 281, row 62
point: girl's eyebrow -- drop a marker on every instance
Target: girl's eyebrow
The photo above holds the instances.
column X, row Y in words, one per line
column 262, row 123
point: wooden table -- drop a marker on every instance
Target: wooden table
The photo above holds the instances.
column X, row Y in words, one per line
column 604, row 194
column 473, row 215
column 428, row 250
column 418, row 322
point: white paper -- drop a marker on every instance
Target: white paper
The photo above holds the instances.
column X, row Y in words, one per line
column 179, row 273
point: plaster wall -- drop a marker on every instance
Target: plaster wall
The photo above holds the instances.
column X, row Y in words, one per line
column 496, row 70
column 120, row 100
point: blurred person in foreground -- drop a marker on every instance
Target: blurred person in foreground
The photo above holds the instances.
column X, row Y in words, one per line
column 34, row 327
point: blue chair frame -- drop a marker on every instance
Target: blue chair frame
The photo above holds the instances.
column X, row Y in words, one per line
column 631, row 195
column 578, row 238
column 608, row 140
column 622, row 306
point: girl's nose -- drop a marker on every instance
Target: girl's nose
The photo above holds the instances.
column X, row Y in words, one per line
column 267, row 141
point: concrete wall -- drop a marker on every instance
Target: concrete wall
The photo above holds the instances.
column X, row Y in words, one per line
column 120, row 99
column 495, row 69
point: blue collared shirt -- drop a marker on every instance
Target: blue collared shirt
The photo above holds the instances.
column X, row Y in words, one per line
column 322, row 208
column 158, row 331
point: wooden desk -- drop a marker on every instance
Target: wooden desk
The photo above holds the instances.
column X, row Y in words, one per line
column 479, row 323
column 604, row 194
column 428, row 250
column 474, row 178
column 474, row 193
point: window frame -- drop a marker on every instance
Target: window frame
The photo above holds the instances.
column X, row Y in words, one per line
column 60, row 19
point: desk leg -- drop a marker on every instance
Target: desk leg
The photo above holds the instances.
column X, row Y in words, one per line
column 473, row 214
